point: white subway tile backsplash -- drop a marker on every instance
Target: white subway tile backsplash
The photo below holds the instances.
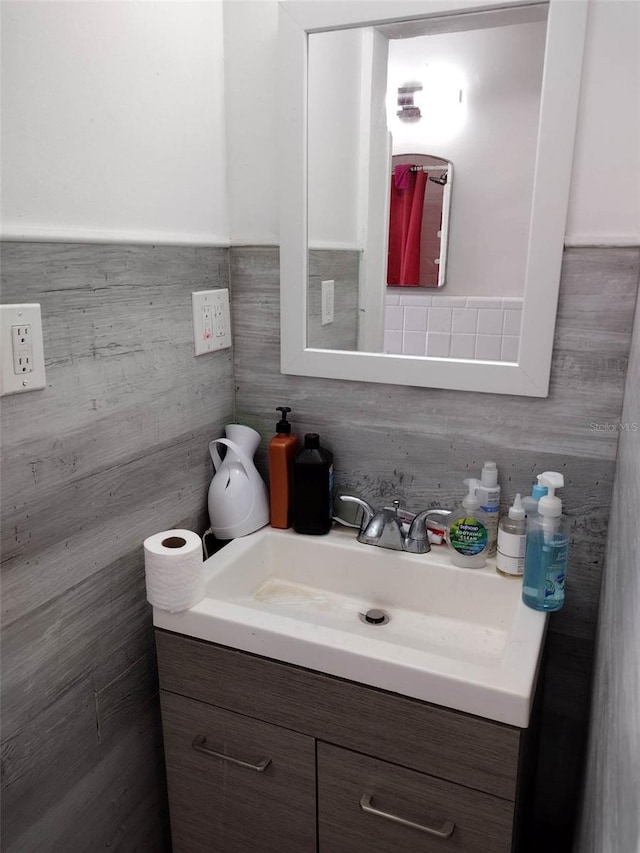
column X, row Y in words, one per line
column 393, row 342
column 440, row 320
column 489, row 347
column 463, row 346
column 449, row 301
column 484, row 302
column 490, row 321
column 510, row 346
column 438, row 344
column 414, row 343
column 394, row 318
column 465, row 320
column 489, row 330
column 423, row 299
column 512, row 322
column 415, row 318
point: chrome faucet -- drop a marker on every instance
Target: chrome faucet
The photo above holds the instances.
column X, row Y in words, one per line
column 384, row 527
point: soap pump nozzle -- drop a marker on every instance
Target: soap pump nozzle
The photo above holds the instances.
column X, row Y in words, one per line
column 539, row 490
column 470, row 501
column 283, row 425
column 550, row 505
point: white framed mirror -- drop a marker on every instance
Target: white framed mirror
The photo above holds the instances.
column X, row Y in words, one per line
column 540, row 255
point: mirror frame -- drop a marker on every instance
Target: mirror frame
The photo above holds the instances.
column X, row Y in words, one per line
column 561, row 79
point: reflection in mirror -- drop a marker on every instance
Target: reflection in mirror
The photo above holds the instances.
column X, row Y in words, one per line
column 465, row 88
column 419, row 220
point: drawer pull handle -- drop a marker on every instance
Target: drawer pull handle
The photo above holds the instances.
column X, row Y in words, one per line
column 444, row 831
column 199, row 744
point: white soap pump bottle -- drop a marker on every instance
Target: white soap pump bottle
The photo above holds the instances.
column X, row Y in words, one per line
column 468, row 533
column 546, row 557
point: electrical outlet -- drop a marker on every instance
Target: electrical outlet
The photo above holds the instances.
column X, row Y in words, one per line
column 21, row 338
column 327, row 301
column 21, row 349
column 211, row 320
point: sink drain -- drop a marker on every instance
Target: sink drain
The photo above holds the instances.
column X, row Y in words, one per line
column 374, row 617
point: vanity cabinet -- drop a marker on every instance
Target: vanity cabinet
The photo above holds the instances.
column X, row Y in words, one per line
column 264, row 756
column 235, row 783
column 369, row 805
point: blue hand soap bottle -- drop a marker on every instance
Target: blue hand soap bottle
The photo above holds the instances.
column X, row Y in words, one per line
column 530, row 502
column 546, row 556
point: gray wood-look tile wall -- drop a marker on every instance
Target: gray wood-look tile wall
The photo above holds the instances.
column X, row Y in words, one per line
column 342, row 267
column 610, row 816
column 114, row 449
column 419, row 444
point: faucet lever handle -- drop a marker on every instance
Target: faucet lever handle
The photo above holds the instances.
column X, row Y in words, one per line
column 367, row 509
column 417, row 539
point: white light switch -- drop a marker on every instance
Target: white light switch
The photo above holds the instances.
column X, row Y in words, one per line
column 21, row 349
column 211, row 320
column 327, row 301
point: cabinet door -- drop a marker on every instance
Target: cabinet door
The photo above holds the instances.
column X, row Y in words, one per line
column 369, row 805
column 236, row 785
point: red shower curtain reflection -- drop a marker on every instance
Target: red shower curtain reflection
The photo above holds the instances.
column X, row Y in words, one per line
column 405, row 225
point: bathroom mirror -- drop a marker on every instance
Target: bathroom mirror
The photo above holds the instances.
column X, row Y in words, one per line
column 312, row 273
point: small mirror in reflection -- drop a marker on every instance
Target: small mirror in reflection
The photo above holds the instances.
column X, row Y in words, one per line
column 418, row 220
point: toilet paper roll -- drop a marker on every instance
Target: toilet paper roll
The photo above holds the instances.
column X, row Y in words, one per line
column 174, row 572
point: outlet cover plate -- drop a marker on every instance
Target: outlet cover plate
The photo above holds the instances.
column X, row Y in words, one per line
column 211, row 320
column 12, row 382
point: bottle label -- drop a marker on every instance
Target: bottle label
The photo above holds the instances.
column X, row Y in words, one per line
column 512, row 544
column 557, row 554
column 511, row 550
column 468, row 536
column 489, row 498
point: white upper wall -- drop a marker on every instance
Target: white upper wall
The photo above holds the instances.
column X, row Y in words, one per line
column 113, row 121
column 602, row 206
column 114, row 127
column 335, row 68
column 605, row 190
column 250, row 61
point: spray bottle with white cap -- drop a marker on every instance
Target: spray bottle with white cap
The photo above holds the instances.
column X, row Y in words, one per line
column 545, row 563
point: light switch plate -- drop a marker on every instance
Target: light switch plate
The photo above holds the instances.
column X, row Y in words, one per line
column 327, row 291
column 21, row 349
column 211, row 320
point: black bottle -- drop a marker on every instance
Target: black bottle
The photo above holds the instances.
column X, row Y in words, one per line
column 312, row 481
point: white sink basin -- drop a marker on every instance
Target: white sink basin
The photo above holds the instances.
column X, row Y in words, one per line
column 461, row 638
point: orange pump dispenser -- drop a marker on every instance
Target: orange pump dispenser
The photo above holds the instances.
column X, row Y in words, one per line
column 282, row 448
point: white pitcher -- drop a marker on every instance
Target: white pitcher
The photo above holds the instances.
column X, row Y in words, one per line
column 238, row 502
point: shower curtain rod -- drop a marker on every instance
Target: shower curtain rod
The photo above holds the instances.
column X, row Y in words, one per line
column 425, row 168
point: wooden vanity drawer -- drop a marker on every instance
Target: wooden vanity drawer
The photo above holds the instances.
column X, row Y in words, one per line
column 260, row 797
column 452, row 745
column 482, row 823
